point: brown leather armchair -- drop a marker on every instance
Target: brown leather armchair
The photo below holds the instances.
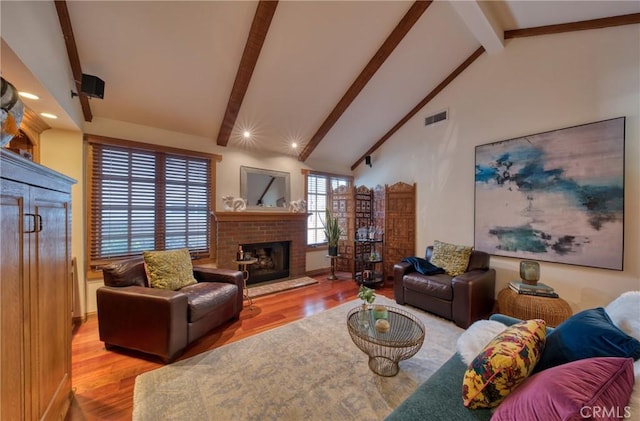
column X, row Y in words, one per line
column 159, row 321
column 463, row 299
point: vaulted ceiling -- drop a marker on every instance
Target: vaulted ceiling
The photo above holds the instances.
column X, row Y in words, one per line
column 336, row 77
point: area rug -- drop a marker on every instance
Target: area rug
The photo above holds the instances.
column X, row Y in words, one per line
column 266, row 288
column 306, row 370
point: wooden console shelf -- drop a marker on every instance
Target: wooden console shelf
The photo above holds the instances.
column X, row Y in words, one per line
column 258, row 216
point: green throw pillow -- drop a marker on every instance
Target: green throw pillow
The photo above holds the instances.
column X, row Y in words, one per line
column 452, row 258
column 170, row 269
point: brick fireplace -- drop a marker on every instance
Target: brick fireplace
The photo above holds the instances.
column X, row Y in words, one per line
column 236, row 228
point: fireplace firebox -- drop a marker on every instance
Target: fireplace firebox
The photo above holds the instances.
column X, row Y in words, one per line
column 272, row 261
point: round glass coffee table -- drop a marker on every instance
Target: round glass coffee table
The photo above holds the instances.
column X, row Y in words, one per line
column 386, row 349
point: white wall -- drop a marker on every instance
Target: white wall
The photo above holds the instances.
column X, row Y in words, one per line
column 32, row 30
column 61, row 150
column 536, row 84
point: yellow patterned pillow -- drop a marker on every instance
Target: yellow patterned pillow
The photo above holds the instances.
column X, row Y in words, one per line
column 503, row 364
column 170, row 269
column 450, row 257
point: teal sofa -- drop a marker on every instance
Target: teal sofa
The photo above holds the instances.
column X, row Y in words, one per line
column 440, row 397
column 564, row 366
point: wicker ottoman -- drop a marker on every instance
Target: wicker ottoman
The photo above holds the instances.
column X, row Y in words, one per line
column 552, row 310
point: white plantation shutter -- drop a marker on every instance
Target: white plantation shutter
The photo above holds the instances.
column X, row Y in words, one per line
column 318, row 186
column 147, row 200
column 316, row 205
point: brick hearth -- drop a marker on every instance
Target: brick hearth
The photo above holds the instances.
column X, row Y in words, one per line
column 233, row 228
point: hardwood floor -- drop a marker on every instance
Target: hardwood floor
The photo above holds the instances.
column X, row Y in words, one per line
column 103, row 380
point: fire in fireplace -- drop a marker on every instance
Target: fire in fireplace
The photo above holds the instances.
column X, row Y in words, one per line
column 273, row 261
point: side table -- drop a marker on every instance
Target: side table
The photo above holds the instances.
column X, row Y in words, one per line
column 552, row 310
column 242, row 266
column 332, row 276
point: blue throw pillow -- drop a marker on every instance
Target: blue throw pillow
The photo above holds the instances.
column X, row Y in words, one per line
column 423, row 266
column 587, row 334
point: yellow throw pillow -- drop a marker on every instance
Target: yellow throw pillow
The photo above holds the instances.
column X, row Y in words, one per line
column 170, row 269
column 452, row 258
column 503, row 364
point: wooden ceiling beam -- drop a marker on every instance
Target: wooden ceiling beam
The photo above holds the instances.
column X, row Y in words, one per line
column 72, row 53
column 421, row 104
column 574, row 26
column 257, row 34
column 392, row 41
column 630, row 19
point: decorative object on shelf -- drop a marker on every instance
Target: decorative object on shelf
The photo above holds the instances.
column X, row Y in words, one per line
column 22, row 153
column 12, row 111
column 234, row 204
column 362, row 233
column 560, row 190
column 539, row 289
column 332, row 231
column 298, row 206
column 530, row 272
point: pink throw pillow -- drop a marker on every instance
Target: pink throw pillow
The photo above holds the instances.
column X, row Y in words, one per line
column 593, row 388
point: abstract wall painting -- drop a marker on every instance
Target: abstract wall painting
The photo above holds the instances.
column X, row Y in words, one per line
column 556, row 196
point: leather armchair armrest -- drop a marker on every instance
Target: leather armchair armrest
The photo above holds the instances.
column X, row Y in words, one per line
column 473, row 296
column 228, row 276
column 151, row 320
column 399, row 270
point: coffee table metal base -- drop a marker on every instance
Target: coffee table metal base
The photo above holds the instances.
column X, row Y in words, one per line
column 384, row 366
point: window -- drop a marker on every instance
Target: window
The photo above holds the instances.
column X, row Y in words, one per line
column 145, row 199
column 319, row 187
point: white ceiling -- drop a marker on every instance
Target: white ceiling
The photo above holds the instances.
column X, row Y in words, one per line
column 172, row 64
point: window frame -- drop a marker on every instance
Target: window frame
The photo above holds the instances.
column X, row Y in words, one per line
column 331, row 178
column 94, row 264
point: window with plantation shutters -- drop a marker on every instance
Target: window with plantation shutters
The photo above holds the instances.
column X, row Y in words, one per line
column 144, row 199
column 319, row 186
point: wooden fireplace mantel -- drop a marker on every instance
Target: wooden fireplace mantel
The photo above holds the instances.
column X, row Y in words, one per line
column 257, row 216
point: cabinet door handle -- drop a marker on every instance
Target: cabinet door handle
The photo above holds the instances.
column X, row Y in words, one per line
column 29, row 231
column 39, row 223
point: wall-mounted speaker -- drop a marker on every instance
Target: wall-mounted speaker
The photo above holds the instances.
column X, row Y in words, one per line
column 367, row 160
column 92, row 86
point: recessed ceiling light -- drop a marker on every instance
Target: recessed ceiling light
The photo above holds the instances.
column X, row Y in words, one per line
column 294, row 145
column 246, row 134
column 48, row 115
column 28, row 95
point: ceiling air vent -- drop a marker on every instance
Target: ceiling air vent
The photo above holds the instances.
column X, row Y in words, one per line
column 434, row 118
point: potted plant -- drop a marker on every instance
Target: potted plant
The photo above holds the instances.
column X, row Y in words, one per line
column 368, row 295
column 332, row 231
